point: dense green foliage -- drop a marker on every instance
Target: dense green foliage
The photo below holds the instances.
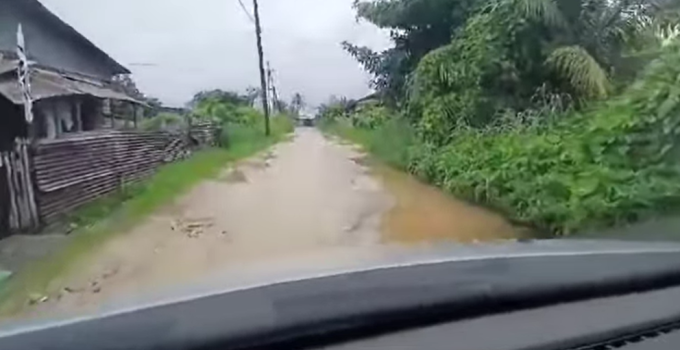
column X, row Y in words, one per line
column 562, row 114
column 225, row 97
column 163, row 121
column 391, row 141
column 612, row 164
column 416, row 27
column 239, row 133
column 240, row 122
column 512, row 49
column 602, row 30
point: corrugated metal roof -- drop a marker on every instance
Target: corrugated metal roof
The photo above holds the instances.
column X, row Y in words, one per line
column 47, row 84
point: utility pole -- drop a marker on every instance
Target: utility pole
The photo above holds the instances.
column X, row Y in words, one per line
column 263, row 78
column 270, row 79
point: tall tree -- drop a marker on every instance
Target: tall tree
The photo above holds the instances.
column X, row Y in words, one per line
column 228, row 97
column 587, row 39
column 510, row 50
column 416, row 27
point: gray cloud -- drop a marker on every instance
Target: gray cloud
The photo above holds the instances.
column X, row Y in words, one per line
column 207, row 44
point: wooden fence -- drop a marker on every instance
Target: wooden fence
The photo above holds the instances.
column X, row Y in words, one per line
column 23, row 213
column 72, row 171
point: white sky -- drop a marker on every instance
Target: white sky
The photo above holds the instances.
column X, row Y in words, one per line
column 205, row 44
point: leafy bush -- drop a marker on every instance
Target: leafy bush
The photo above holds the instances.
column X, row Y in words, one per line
column 237, row 133
column 370, row 116
column 253, row 131
column 390, row 139
column 561, row 173
column 331, row 113
column 613, row 164
column 248, row 116
column 282, row 124
column 163, row 121
column 241, row 123
column 224, row 112
column 522, row 111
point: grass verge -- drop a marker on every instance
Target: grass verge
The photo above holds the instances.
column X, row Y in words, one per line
column 390, row 141
column 97, row 222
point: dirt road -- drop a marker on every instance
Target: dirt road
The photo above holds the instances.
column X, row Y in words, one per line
column 307, row 201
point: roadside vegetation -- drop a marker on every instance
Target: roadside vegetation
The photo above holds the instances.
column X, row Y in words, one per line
column 242, row 136
column 163, row 121
column 561, row 114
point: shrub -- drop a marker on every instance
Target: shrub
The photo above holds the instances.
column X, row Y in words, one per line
column 370, row 116
column 163, row 121
column 253, row 131
column 613, row 164
column 248, row 116
column 282, row 124
column 226, row 112
column 389, row 136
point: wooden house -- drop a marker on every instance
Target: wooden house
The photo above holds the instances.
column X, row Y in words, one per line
column 71, row 88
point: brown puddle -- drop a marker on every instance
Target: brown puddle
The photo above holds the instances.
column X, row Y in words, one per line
column 423, row 213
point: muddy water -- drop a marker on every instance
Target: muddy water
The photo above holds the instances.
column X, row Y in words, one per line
column 423, row 213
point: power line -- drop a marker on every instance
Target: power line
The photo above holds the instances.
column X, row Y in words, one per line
column 246, row 11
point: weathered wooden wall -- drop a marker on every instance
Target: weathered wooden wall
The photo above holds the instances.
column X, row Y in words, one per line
column 15, row 164
column 70, row 172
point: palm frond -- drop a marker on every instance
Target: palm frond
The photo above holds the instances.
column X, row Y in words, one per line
column 581, row 70
column 545, row 11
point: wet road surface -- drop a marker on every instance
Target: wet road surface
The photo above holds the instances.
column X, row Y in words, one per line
column 309, row 201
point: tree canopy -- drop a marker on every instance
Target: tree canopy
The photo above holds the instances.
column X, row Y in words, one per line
column 569, row 29
column 416, row 27
column 228, row 97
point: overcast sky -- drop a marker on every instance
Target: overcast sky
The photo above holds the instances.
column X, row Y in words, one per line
column 204, row 44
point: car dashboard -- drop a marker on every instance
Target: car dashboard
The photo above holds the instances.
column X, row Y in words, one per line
column 637, row 321
column 538, row 296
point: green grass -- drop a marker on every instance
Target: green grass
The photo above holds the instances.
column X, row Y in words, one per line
column 390, row 141
column 117, row 214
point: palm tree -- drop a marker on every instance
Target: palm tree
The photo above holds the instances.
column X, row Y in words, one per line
column 589, row 37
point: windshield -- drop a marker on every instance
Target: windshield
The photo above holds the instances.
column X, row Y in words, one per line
column 157, row 148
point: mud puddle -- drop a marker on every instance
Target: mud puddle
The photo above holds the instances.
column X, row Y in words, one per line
column 425, row 214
